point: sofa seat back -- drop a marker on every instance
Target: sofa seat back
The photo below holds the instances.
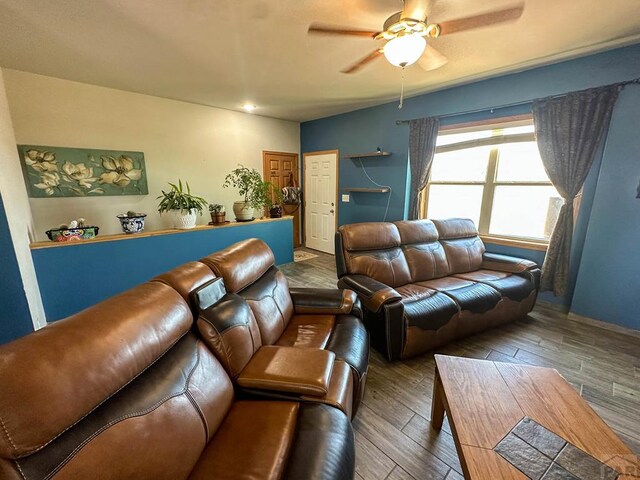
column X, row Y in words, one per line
column 122, row 390
column 425, row 255
column 229, row 328
column 409, row 251
column 248, row 269
column 374, row 250
column 462, row 245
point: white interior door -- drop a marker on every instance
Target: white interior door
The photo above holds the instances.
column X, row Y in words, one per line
column 320, row 183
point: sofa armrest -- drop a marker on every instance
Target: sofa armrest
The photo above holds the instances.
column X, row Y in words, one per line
column 324, row 300
column 372, row 293
column 303, row 371
column 504, row 263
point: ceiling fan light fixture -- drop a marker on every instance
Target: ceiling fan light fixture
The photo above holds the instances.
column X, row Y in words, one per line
column 404, row 50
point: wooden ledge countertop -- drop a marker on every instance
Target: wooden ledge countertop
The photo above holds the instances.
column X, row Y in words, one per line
column 145, row 234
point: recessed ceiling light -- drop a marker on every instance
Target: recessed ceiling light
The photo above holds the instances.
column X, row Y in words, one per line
column 248, row 107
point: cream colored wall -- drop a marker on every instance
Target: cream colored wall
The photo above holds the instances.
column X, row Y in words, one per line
column 16, row 204
column 180, row 140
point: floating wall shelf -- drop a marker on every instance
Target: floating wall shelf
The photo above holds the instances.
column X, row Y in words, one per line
column 371, row 154
column 366, row 190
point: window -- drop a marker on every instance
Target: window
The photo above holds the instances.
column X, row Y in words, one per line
column 494, row 176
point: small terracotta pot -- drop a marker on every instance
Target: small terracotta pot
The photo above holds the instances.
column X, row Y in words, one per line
column 218, row 217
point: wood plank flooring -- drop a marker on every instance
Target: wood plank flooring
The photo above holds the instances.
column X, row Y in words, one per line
column 394, row 439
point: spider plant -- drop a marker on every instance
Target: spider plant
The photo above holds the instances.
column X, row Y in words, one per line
column 177, row 198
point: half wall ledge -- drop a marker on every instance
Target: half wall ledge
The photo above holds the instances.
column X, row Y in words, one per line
column 74, row 276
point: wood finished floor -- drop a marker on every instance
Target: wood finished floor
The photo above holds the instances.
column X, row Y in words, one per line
column 394, row 440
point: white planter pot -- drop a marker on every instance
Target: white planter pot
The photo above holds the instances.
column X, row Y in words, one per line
column 183, row 219
column 243, row 211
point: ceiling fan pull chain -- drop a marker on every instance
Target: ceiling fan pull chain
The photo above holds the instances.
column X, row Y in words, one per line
column 401, row 91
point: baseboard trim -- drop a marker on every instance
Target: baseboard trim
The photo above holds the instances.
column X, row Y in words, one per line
column 553, row 306
column 605, row 325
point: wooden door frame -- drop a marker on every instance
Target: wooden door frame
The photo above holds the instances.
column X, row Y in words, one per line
column 303, row 170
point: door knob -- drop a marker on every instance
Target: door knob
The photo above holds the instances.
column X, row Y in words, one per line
column 331, row 211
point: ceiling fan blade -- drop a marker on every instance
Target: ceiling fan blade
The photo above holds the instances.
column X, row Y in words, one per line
column 483, row 20
column 329, row 30
column 431, row 59
column 416, row 9
column 362, row 62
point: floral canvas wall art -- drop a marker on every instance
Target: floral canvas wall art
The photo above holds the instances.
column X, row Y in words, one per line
column 79, row 172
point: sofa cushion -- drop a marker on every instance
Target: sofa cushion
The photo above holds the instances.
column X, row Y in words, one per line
column 344, row 335
column 360, row 237
column 74, row 364
column 253, row 442
column 427, row 308
column 241, row 264
column 461, row 243
column 373, row 249
column 470, row 296
column 280, row 440
column 453, row 228
column 271, row 304
column 310, row 331
column 512, row 286
column 386, row 266
column 424, row 254
column 231, row 332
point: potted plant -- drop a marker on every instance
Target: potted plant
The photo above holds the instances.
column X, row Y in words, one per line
column 247, row 181
column 182, row 205
column 217, row 213
column 132, row 222
column 270, row 196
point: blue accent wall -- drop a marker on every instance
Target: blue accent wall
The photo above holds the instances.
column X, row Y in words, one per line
column 608, row 285
column 75, row 277
column 15, row 318
column 364, row 130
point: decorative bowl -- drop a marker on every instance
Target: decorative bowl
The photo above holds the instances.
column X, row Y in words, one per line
column 72, row 234
column 132, row 224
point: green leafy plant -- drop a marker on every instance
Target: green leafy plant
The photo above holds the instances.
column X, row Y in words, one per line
column 179, row 199
column 268, row 195
column 216, row 208
column 131, row 214
column 247, row 181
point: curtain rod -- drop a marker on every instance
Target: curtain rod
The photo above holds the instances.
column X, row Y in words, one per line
column 635, row 81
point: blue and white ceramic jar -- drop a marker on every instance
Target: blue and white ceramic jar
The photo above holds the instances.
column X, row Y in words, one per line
column 132, row 224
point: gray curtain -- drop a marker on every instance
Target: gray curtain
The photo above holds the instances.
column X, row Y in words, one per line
column 569, row 130
column 422, row 145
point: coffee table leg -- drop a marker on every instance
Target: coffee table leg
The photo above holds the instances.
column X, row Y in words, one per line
column 437, row 403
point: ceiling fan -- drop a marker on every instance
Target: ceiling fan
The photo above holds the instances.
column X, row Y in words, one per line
column 405, row 34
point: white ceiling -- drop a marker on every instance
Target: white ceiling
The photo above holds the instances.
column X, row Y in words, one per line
column 225, row 53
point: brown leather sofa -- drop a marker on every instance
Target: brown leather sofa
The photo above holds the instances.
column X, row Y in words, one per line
column 326, row 319
column 129, row 389
column 424, row 283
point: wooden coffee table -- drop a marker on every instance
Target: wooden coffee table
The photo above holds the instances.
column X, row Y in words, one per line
column 518, row 422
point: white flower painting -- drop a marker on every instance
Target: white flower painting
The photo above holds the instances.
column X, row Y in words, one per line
column 75, row 172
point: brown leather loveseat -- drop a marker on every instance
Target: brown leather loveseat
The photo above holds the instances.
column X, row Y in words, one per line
column 423, row 283
column 133, row 388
